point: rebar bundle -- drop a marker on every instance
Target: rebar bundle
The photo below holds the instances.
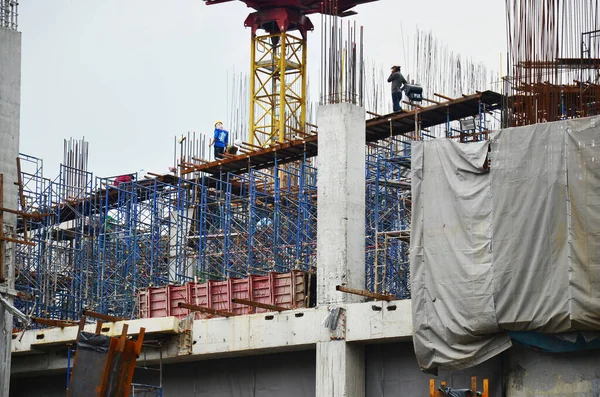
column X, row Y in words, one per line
column 9, row 14
column 441, row 73
column 190, row 148
column 238, row 106
column 74, row 169
column 554, row 60
column 342, row 58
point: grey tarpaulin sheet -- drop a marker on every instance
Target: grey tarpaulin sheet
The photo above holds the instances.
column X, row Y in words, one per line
column 451, row 256
column 512, row 249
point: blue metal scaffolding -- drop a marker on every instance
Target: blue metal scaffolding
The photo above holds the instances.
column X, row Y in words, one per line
column 101, row 239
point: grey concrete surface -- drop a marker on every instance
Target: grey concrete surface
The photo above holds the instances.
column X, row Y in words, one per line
column 341, row 202
column 531, row 373
column 10, row 100
column 392, row 371
column 278, row 375
column 340, row 366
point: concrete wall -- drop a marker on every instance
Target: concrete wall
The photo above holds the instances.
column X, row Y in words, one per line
column 291, row 375
column 10, row 104
column 520, row 372
column 392, row 370
column 530, row 373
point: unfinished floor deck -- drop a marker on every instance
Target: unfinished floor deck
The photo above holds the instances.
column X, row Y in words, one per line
column 378, row 128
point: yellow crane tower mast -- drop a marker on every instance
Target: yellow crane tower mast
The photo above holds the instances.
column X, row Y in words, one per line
column 278, row 63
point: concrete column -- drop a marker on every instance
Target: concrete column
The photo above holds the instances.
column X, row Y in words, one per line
column 10, row 103
column 340, row 242
column 340, row 369
column 341, row 202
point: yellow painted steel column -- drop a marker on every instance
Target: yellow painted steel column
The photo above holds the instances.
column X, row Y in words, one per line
column 304, row 88
column 252, row 87
column 282, row 85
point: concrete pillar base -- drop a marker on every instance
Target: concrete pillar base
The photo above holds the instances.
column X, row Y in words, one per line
column 340, row 369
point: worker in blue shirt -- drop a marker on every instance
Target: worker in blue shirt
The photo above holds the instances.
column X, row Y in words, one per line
column 220, row 139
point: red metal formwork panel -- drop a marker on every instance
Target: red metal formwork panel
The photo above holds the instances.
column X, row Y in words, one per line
column 240, row 289
column 178, row 293
column 220, row 295
column 142, row 303
column 157, row 302
column 199, row 296
column 289, row 289
column 282, row 289
column 262, row 291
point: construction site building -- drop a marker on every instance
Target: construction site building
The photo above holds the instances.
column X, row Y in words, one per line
column 284, row 269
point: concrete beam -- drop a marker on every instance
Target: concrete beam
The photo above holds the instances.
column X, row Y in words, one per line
column 225, row 337
column 379, row 321
column 259, row 332
column 32, row 341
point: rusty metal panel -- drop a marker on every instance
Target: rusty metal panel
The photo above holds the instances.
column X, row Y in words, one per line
column 89, row 365
column 104, row 366
column 288, row 290
column 219, row 293
column 178, row 293
column 261, row 291
column 142, row 303
column 153, row 302
column 240, row 289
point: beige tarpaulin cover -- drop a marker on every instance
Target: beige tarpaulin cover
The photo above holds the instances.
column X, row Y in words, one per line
column 516, row 248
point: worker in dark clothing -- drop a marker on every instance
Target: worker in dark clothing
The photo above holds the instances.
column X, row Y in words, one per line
column 398, row 82
column 220, row 139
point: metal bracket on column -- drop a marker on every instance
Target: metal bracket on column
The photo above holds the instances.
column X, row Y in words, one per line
column 15, row 312
column 339, row 333
column 336, row 322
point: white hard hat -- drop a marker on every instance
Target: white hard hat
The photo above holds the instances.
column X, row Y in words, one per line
column 238, row 142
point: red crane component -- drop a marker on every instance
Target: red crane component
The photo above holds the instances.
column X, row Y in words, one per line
column 306, row 6
column 275, row 16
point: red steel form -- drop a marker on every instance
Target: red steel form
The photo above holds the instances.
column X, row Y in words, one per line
column 275, row 290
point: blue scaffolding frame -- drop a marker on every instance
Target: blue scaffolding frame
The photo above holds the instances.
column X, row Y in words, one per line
column 122, row 236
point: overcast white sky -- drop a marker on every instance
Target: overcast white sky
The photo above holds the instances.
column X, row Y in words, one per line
column 129, row 75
